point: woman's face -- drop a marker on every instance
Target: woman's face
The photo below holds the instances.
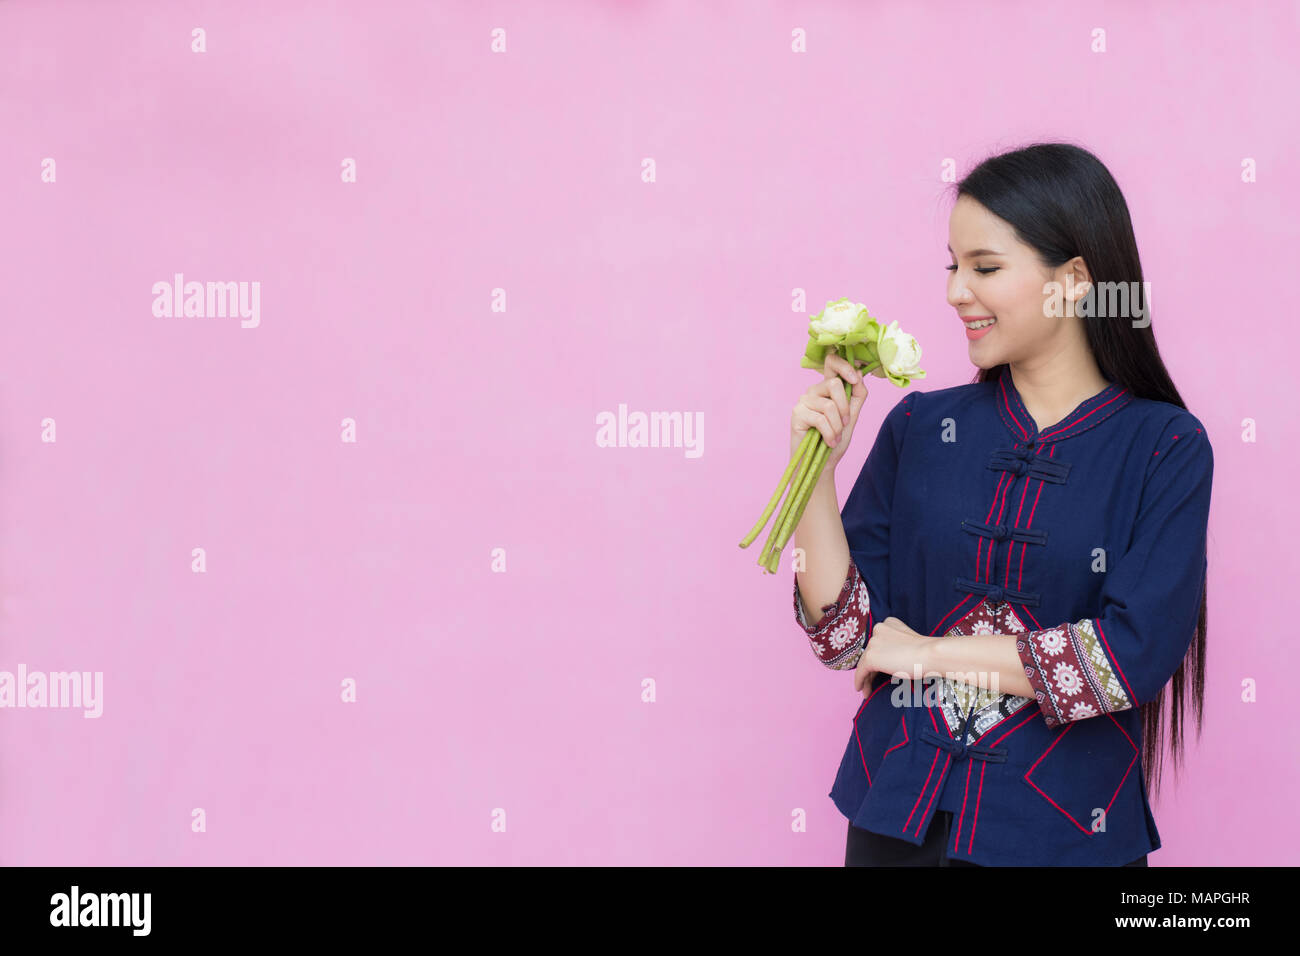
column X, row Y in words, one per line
column 994, row 274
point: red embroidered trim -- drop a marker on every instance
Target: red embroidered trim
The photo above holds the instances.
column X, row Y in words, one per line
column 841, row 634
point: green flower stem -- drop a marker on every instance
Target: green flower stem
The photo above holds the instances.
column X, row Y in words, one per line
column 798, row 499
column 795, row 460
column 810, row 483
column 774, row 562
column 809, row 443
column 795, row 502
column 809, row 459
column 811, row 476
column 777, row 547
column 800, row 503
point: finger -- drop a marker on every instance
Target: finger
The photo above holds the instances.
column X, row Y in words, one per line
column 834, row 415
column 825, row 413
column 857, row 399
column 830, row 366
column 812, row 417
column 842, row 366
column 836, row 366
column 859, row 385
column 855, row 409
column 862, row 673
column 831, row 416
column 845, row 371
column 836, row 388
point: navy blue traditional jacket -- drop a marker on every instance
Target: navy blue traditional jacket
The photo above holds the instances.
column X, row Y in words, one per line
column 1087, row 541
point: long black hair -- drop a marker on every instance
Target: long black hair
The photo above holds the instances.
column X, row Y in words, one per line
column 1063, row 202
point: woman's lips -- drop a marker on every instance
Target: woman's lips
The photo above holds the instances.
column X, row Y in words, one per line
column 973, row 334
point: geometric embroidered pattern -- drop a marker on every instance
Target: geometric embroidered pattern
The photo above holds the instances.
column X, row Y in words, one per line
column 1072, row 677
column 957, row 699
column 841, row 634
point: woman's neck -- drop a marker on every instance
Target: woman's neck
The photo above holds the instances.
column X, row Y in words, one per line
column 1056, row 387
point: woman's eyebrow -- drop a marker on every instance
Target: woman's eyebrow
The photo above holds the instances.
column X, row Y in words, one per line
column 981, row 252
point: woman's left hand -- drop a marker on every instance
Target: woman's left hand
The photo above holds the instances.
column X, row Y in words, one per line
column 893, row 648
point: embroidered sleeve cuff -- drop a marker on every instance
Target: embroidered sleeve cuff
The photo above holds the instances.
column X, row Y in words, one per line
column 1071, row 675
column 841, row 634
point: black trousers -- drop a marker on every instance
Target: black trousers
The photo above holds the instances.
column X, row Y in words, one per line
column 871, row 849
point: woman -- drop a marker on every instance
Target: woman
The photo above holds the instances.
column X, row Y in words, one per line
column 1027, row 552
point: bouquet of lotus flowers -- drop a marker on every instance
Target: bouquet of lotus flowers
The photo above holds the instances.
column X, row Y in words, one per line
column 887, row 352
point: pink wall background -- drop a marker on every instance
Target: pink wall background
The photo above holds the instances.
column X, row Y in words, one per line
column 521, row 171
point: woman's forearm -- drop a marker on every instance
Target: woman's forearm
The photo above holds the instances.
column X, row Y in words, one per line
column 985, row 660
column 820, row 533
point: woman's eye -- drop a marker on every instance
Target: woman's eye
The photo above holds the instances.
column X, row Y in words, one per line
column 984, row 271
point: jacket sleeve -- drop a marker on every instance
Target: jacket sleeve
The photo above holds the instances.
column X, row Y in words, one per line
column 1150, row 600
column 840, row 636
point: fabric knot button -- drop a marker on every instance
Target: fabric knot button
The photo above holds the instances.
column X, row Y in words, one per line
column 999, row 532
column 994, row 594
column 1025, row 452
column 1022, row 467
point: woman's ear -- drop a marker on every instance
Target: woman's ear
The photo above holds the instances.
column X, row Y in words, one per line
column 1078, row 281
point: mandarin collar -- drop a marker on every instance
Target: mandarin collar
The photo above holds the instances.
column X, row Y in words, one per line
column 1087, row 414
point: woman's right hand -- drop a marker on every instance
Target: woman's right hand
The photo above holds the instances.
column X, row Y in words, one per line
column 830, row 409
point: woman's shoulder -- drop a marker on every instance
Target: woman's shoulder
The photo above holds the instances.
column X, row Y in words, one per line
column 942, row 401
column 1166, row 421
